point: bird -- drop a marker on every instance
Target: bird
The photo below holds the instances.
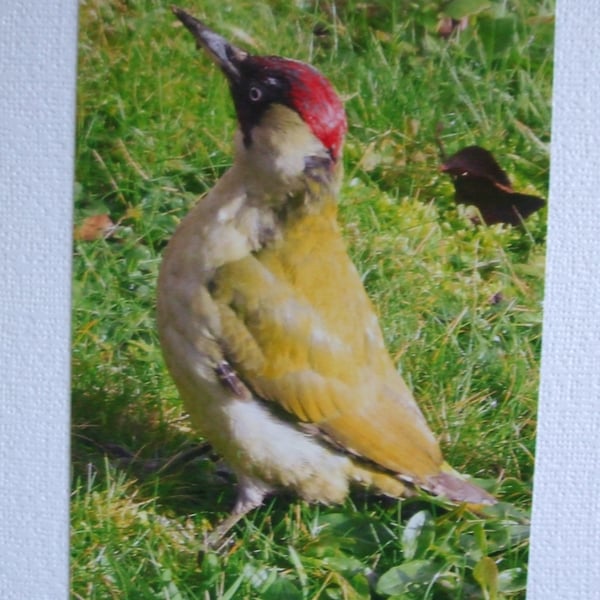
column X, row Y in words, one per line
column 479, row 181
column 265, row 326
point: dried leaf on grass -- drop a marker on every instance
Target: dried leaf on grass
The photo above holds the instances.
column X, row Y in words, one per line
column 94, row 228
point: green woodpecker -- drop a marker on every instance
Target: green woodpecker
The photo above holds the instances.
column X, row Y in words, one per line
column 265, row 326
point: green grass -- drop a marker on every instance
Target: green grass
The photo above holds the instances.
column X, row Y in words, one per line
column 460, row 305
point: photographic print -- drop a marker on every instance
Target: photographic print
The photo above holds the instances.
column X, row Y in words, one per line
column 307, row 297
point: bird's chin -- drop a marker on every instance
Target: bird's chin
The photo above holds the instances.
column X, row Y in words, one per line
column 277, row 175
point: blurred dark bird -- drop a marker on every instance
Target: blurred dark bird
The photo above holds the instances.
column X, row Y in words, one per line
column 479, row 181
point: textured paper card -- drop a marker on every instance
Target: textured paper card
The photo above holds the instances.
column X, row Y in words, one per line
column 37, row 62
column 37, row 103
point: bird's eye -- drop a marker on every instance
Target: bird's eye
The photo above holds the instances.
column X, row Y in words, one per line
column 255, row 93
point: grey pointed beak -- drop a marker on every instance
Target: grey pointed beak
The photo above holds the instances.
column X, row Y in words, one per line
column 224, row 54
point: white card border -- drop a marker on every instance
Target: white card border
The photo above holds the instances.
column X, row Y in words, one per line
column 565, row 541
column 37, row 117
column 37, row 69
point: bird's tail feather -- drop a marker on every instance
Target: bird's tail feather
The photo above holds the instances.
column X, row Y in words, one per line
column 448, row 484
column 454, row 487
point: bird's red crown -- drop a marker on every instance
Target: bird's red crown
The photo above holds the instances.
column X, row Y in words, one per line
column 313, row 97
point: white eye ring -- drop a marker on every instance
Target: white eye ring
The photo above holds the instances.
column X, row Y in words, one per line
column 255, row 93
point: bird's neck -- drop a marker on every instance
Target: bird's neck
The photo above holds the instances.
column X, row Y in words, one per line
column 314, row 192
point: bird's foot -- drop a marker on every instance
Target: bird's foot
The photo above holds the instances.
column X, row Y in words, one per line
column 251, row 494
column 219, row 539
